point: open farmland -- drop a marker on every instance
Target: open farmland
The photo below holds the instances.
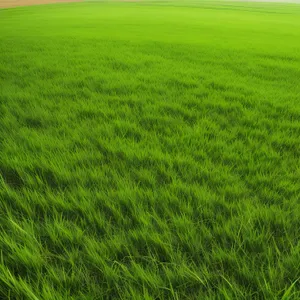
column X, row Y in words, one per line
column 150, row 150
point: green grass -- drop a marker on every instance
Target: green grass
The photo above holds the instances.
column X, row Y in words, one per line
column 150, row 151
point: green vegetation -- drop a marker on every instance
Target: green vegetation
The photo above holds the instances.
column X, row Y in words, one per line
column 150, row 151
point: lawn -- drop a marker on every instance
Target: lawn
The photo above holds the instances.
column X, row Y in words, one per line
column 150, row 150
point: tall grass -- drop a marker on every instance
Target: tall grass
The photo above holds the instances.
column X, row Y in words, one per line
column 150, row 151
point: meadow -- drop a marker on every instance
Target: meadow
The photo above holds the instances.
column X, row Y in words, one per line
column 150, row 150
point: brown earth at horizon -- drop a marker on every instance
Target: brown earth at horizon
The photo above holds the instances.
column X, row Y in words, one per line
column 15, row 3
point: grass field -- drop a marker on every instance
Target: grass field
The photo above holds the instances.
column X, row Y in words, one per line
column 150, row 150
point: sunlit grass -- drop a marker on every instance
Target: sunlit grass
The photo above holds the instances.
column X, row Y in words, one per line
column 150, row 151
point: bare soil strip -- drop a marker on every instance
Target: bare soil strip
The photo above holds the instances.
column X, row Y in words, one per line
column 15, row 3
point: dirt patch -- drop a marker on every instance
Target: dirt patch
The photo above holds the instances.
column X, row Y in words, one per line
column 14, row 3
